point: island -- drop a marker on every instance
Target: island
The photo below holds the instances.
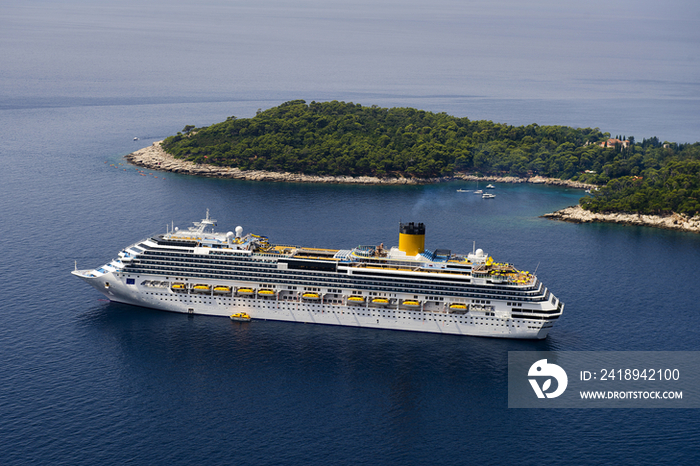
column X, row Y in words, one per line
column 154, row 157
column 339, row 142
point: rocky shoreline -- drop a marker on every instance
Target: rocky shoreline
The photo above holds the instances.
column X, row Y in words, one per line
column 155, row 158
column 577, row 214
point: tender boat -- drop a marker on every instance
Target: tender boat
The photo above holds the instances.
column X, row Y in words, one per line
column 241, row 317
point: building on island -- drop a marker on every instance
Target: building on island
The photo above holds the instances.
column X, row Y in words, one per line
column 613, row 142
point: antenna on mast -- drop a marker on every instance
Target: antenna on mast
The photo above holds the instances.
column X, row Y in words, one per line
column 538, row 266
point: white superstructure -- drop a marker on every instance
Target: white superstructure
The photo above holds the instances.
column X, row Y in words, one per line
column 200, row 271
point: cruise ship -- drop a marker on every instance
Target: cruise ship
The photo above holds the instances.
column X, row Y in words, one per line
column 407, row 287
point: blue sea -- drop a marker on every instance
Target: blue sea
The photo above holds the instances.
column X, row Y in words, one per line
column 84, row 381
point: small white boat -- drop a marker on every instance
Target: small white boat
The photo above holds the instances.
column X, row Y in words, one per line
column 463, row 191
column 488, row 196
column 490, row 187
column 136, row 139
column 479, row 191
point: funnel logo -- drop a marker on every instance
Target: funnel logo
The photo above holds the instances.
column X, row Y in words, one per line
column 542, row 369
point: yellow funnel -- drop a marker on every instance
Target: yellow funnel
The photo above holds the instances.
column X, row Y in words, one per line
column 411, row 238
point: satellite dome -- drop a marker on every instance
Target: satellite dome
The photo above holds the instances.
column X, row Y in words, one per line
column 239, row 231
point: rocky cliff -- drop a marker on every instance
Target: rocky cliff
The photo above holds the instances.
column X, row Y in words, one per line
column 674, row 221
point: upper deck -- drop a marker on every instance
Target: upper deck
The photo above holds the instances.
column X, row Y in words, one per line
column 476, row 265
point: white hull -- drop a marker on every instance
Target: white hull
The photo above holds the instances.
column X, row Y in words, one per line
column 392, row 317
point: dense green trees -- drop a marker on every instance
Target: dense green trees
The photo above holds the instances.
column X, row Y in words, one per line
column 338, row 138
column 673, row 188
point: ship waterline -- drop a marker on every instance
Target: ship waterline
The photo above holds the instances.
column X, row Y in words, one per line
column 200, row 271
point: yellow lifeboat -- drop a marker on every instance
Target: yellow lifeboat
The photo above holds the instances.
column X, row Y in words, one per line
column 178, row 286
column 380, row 302
column 356, row 299
column 410, row 303
column 266, row 292
column 240, row 317
column 244, row 291
column 201, row 288
column 458, row 306
column 311, row 296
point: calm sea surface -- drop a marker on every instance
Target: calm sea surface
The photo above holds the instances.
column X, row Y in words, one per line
column 85, row 381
